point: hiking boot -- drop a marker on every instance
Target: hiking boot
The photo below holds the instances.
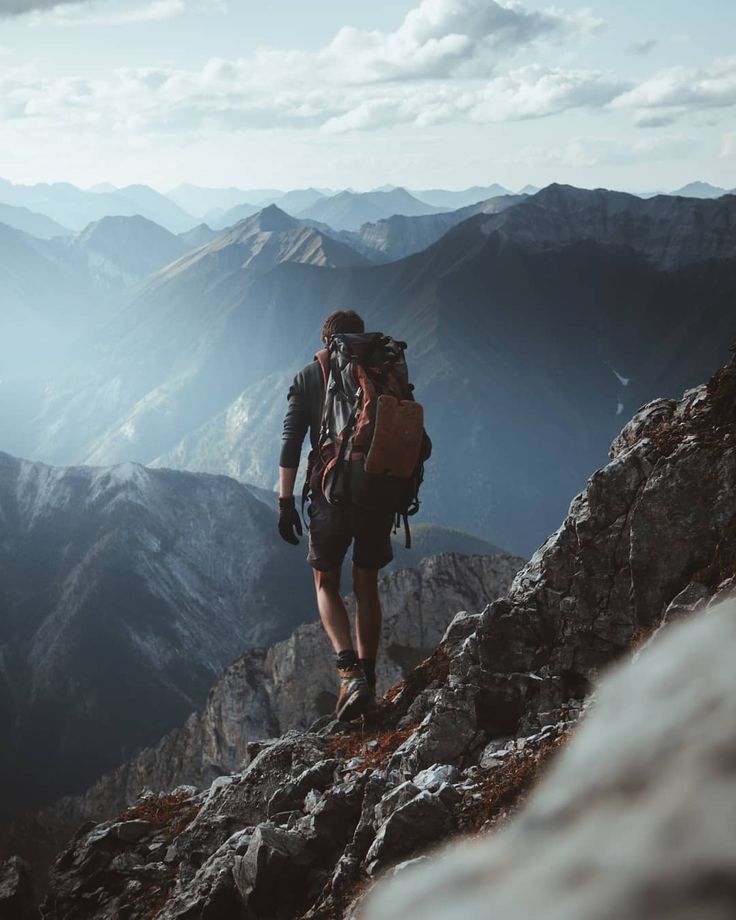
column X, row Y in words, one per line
column 355, row 695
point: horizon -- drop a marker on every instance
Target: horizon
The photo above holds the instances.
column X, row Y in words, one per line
column 423, row 94
column 167, row 190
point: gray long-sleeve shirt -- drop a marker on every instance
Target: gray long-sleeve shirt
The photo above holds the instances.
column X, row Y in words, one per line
column 303, row 413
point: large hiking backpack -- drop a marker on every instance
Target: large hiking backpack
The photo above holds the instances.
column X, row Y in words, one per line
column 372, row 443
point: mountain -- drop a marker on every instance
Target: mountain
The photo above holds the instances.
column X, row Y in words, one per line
column 45, row 302
column 198, row 236
column 701, row 190
column 529, row 190
column 441, row 198
column 671, row 231
column 119, row 251
column 198, row 200
column 398, row 236
column 267, row 691
column 313, row 820
column 298, row 200
column 75, row 208
column 124, row 592
column 552, row 319
column 158, row 207
column 349, row 210
column 38, row 225
column 266, row 239
column 221, row 219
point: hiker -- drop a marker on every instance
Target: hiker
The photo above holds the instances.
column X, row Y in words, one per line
column 364, row 469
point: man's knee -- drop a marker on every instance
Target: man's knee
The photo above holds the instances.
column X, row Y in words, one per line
column 364, row 580
column 327, row 581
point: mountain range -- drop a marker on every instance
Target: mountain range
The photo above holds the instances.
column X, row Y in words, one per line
column 564, row 309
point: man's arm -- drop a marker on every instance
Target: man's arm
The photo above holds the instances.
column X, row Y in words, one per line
column 287, row 479
column 296, row 423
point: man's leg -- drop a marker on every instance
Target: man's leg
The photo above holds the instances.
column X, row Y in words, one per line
column 368, row 615
column 332, row 609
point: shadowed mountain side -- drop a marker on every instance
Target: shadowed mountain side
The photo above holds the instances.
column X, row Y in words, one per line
column 120, row 251
column 124, row 592
column 38, row 225
column 267, row 691
column 399, row 236
column 669, row 230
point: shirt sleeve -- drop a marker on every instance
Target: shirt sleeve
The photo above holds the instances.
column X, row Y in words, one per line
column 296, row 423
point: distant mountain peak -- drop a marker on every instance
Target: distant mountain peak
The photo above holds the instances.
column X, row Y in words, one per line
column 270, row 219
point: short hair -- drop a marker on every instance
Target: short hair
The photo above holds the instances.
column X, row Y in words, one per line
column 341, row 321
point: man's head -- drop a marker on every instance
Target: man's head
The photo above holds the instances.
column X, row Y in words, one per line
column 341, row 321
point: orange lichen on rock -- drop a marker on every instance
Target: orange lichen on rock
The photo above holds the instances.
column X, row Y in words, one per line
column 503, row 789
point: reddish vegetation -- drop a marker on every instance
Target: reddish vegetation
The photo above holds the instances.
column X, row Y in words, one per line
column 503, row 789
column 383, row 744
column 173, row 812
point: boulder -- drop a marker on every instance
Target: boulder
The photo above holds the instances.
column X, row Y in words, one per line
column 638, row 820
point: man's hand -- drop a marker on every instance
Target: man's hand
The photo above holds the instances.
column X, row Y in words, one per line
column 289, row 520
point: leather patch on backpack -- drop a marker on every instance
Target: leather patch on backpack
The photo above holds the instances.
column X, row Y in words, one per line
column 397, row 437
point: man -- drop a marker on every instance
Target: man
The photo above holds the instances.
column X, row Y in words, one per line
column 332, row 529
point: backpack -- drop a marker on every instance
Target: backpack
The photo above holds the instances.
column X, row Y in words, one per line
column 372, row 444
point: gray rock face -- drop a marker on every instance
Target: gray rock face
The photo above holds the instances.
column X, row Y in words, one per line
column 641, row 825
column 638, row 820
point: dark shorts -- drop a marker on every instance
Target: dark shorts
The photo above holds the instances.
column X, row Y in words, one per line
column 332, row 528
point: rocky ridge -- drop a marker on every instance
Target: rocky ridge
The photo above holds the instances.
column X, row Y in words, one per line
column 315, row 816
column 266, row 691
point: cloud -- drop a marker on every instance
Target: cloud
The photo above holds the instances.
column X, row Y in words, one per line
column 678, row 91
column 443, row 63
column 85, row 12
column 643, row 47
column 441, row 38
column 18, row 7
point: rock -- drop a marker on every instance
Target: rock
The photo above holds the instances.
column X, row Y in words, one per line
column 270, row 875
column 130, row 831
column 419, row 822
column 16, row 890
column 433, row 777
column 443, row 736
column 638, row 820
column 292, row 793
column 397, row 797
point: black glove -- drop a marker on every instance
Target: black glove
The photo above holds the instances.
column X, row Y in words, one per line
column 289, row 520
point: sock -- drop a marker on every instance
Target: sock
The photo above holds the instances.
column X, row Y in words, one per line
column 346, row 660
column 369, row 667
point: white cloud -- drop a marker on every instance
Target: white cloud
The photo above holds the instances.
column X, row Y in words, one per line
column 18, row 7
column 441, row 38
column 677, row 91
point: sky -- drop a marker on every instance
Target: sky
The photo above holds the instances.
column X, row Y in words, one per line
column 421, row 93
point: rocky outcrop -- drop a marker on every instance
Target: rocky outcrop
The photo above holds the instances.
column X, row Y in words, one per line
column 638, row 818
column 268, row 691
column 314, row 817
column 16, row 890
